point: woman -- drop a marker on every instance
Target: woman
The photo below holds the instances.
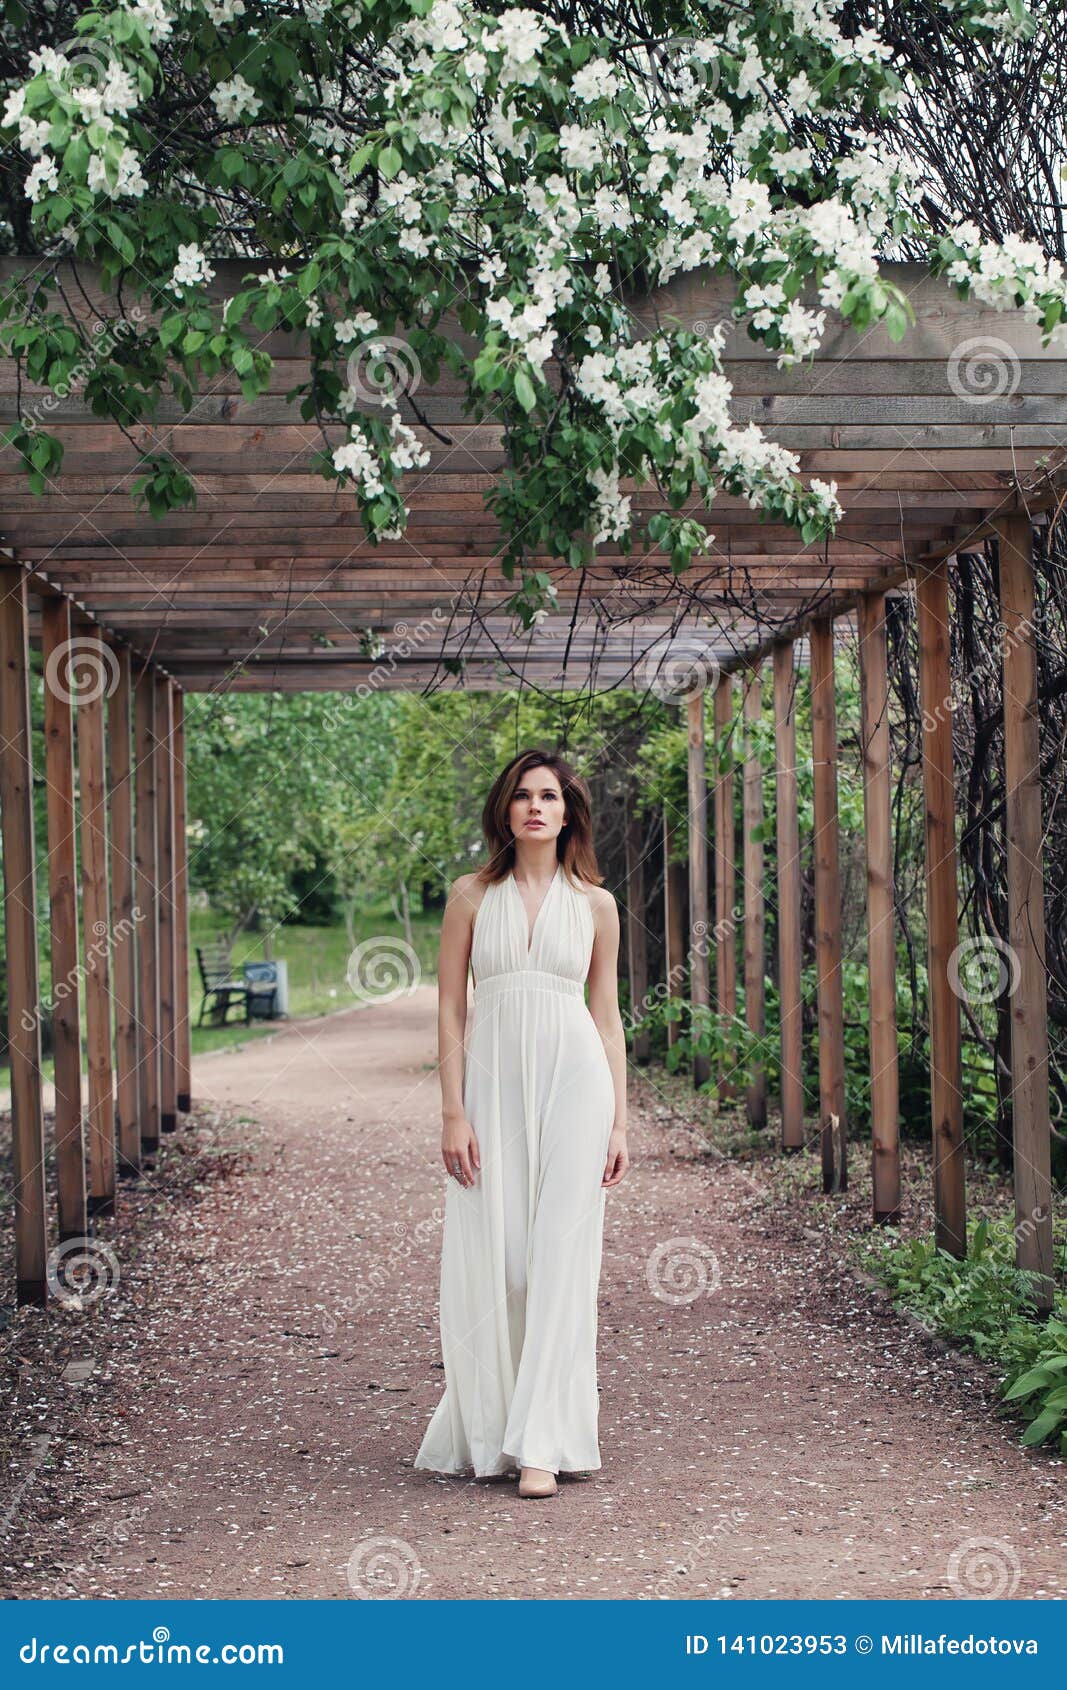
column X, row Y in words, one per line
column 534, row 1133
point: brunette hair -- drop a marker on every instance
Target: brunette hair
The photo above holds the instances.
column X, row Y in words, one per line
column 574, row 847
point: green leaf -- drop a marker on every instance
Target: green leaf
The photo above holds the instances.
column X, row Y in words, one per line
column 1039, row 1429
column 524, row 391
column 1041, row 1375
column 360, row 158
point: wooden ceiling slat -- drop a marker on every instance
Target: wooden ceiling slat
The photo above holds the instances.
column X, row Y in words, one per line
column 920, row 464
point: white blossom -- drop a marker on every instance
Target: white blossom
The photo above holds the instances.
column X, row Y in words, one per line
column 13, row 105
column 128, row 182
column 155, row 17
column 406, row 452
column 361, row 323
column 357, row 459
column 582, row 149
column 594, row 81
column 43, row 176
column 235, row 99
column 223, row 11
column 192, row 267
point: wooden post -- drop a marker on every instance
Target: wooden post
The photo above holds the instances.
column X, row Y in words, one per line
column 124, row 914
column 881, row 923
column 787, row 832
column 96, row 926
column 725, row 873
column 833, row 1124
column 146, row 890
column 674, row 879
column 1028, row 986
column 942, row 921
column 168, row 1071
column 636, row 932
column 63, row 904
column 699, row 987
column 752, row 879
column 182, row 1029
column 20, row 925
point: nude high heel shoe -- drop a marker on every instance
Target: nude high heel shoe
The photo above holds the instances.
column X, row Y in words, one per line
column 537, row 1481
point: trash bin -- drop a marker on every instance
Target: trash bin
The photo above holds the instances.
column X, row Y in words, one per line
column 268, row 985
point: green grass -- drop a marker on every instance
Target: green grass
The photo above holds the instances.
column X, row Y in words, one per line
column 983, row 1302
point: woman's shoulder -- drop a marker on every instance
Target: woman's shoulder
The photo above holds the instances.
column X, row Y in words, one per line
column 468, row 890
column 463, row 882
column 600, row 899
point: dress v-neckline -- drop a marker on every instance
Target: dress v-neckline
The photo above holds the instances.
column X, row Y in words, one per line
column 531, row 932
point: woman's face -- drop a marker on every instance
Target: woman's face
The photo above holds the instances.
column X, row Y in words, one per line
column 536, row 810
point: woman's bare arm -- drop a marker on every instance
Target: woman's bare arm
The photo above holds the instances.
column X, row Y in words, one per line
column 457, row 926
column 604, row 1008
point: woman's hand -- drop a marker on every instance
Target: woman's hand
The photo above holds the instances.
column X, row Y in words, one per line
column 618, row 1159
column 459, row 1148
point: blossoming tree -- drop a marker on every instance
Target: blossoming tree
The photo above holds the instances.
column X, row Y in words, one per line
column 489, row 187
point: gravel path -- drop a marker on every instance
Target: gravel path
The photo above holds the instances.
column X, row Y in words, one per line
column 768, row 1426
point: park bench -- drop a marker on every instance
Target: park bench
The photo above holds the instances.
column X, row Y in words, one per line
column 221, row 989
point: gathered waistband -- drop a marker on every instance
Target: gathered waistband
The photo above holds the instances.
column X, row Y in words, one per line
column 527, row 979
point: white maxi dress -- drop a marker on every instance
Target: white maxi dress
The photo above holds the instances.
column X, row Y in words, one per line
column 521, row 1250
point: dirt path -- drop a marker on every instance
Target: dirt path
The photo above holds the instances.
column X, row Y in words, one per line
column 258, row 1398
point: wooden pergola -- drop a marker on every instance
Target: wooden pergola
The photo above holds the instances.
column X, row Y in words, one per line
column 269, row 585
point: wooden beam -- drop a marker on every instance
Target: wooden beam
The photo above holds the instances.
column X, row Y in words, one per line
column 787, row 833
column 674, row 889
column 96, row 921
column 182, row 1025
column 833, row 1124
column 725, row 870
column 1028, row 986
column 942, row 919
column 881, row 917
column 699, row 986
column 20, row 929
column 124, row 912
column 752, row 880
column 168, row 1070
column 146, row 883
column 636, row 931
column 57, row 655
